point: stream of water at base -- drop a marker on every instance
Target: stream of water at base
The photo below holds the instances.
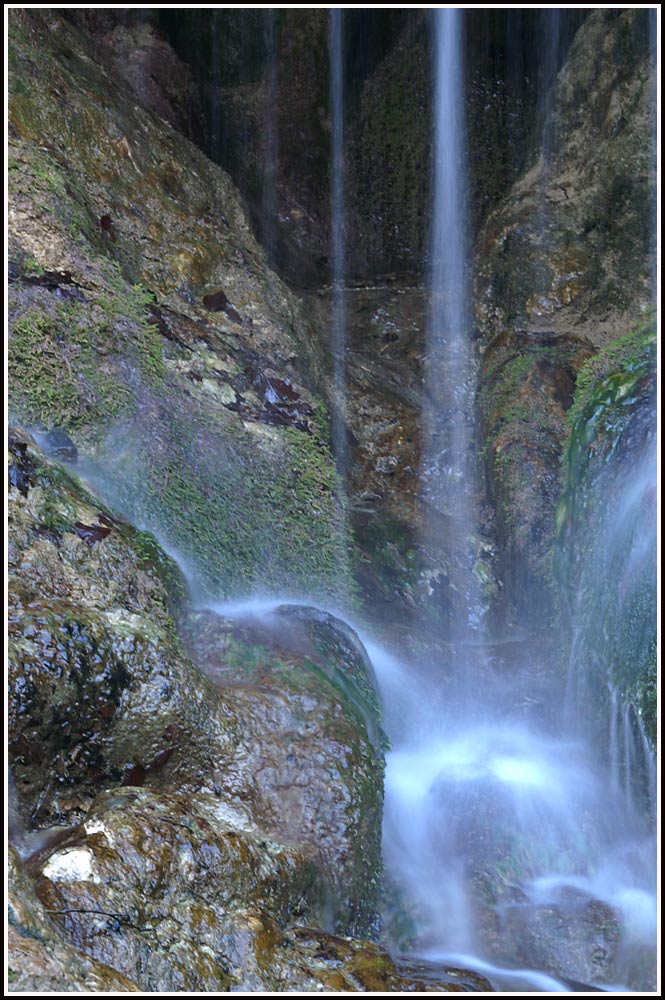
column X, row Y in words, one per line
column 512, row 852
column 509, row 841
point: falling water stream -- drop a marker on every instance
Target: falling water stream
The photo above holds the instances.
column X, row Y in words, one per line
column 508, row 837
column 448, row 472
column 337, row 248
column 270, row 137
column 515, row 848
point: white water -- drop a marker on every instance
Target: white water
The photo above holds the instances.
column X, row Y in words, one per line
column 623, row 557
column 494, row 822
column 484, row 797
column 481, row 803
column 448, row 475
column 477, row 791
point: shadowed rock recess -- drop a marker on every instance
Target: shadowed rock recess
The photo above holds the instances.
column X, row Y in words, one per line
column 197, row 777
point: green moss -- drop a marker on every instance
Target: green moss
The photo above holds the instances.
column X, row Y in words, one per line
column 152, row 556
column 245, row 507
column 631, row 355
column 71, row 363
column 613, row 599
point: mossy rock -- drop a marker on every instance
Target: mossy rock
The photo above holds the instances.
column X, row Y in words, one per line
column 90, row 614
column 321, row 784
column 104, row 693
column 39, row 957
column 563, row 266
column 195, row 911
column 606, row 524
column 526, row 388
column 124, row 239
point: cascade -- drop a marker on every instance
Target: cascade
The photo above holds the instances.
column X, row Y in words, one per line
column 614, row 575
column 270, row 137
column 337, row 248
column 518, row 836
column 448, row 472
column 483, row 792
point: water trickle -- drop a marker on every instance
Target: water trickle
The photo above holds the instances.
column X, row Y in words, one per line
column 270, row 136
column 338, row 246
column 614, row 579
column 550, row 64
column 448, row 476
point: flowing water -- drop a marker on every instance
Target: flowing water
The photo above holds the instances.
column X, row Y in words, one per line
column 337, row 248
column 448, row 473
column 515, row 847
column 270, row 137
column 511, row 841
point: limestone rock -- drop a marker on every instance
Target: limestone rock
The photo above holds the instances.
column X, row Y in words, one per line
column 564, row 266
column 120, row 231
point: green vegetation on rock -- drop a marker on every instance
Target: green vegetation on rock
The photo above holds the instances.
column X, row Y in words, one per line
column 120, row 229
column 606, row 517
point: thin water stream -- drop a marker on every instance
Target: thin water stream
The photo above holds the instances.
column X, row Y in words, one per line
column 517, row 848
column 510, row 839
column 337, row 245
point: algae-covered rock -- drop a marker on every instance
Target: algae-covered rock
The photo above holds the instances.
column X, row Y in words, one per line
column 328, row 962
column 151, row 887
column 304, row 677
column 123, row 237
column 564, row 265
column 526, row 388
column 40, row 958
column 283, row 734
column 572, row 245
column 90, row 613
column 205, row 908
column 135, row 53
column 606, row 542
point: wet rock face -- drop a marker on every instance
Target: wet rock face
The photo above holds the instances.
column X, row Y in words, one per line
column 302, row 674
column 606, row 542
column 203, row 908
column 39, row 957
column 414, row 563
column 197, row 905
column 136, row 54
column 564, row 266
column 93, row 650
column 206, row 907
column 264, row 78
column 571, row 246
column 577, row 938
column 526, row 388
column 283, row 735
column 142, row 315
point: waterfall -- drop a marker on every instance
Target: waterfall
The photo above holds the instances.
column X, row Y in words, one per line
column 338, row 247
column 448, row 468
column 631, row 759
column 617, row 569
column 494, row 819
column 550, row 65
column 270, row 137
column 448, row 474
